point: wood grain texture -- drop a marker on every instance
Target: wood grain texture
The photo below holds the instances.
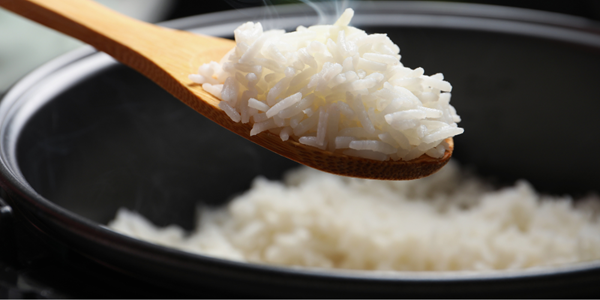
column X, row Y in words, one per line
column 168, row 56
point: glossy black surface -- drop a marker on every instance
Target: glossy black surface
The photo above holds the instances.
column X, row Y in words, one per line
column 117, row 139
column 112, row 138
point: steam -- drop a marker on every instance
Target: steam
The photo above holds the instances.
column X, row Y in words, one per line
column 327, row 10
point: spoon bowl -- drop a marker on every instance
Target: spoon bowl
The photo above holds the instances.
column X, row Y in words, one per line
column 168, row 56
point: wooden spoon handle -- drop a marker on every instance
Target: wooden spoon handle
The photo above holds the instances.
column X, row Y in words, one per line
column 108, row 31
column 164, row 55
column 87, row 21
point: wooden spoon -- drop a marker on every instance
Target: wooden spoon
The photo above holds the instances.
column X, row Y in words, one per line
column 168, row 56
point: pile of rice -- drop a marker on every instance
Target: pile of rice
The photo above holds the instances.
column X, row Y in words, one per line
column 333, row 87
column 444, row 222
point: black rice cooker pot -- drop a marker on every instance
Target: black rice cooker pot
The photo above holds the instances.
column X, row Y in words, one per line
column 84, row 135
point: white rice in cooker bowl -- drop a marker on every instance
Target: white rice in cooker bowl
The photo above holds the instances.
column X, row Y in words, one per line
column 445, row 222
column 340, row 89
column 333, row 87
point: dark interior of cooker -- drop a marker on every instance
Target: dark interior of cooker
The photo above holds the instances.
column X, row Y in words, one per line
column 529, row 109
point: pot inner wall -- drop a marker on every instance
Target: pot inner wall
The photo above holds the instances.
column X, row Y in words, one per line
column 118, row 139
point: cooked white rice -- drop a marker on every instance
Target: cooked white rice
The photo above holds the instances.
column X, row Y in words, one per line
column 323, row 83
column 445, row 222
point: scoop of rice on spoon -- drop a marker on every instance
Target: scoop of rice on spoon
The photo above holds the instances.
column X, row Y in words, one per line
column 329, row 97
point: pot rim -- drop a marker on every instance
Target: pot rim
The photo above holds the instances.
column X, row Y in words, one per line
column 17, row 105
